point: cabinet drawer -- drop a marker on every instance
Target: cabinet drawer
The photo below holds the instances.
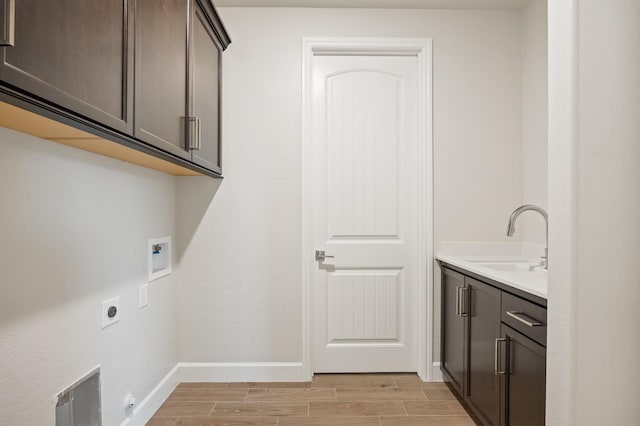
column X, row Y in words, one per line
column 525, row 317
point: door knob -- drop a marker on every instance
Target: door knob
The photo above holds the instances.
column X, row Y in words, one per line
column 321, row 256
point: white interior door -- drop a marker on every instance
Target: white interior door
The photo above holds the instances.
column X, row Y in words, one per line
column 365, row 212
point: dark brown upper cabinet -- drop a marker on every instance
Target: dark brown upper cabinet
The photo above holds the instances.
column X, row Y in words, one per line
column 76, row 54
column 137, row 80
column 178, row 49
column 161, row 74
column 205, row 61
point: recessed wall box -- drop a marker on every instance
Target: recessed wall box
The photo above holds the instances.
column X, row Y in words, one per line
column 79, row 405
column 159, row 255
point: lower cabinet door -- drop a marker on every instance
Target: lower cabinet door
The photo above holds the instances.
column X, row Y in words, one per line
column 452, row 351
column 483, row 387
column 525, row 380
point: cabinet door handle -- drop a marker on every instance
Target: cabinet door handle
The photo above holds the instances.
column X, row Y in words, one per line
column 198, row 133
column 191, row 132
column 464, row 303
column 459, row 301
column 523, row 318
column 193, row 139
column 8, row 22
column 497, row 355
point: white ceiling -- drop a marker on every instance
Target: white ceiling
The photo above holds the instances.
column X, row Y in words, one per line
column 381, row 4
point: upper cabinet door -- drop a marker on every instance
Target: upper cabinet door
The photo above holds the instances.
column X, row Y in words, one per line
column 161, row 74
column 76, row 54
column 205, row 55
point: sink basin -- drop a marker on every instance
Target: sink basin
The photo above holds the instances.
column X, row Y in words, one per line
column 510, row 270
column 509, row 265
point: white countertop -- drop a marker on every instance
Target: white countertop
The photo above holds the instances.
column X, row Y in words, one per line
column 510, row 270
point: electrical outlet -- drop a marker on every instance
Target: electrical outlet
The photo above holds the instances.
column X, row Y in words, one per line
column 110, row 311
column 144, row 296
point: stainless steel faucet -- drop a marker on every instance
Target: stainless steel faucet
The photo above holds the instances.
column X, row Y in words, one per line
column 512, row 227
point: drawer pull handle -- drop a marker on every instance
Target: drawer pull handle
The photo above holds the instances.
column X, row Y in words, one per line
column 523, row 318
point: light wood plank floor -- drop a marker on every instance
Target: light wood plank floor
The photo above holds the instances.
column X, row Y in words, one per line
column 330, row 399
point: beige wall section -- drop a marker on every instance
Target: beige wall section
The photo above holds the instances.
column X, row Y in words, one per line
column 607, row 325
column 73, row 231
column 534, row 118
column 562, row 165
column 241, row 268
column 594, row 288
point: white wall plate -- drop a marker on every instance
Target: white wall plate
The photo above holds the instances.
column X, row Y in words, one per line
column 110, row 311
column 159, row 257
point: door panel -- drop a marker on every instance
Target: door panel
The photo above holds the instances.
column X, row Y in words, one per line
column 362, row 118
column 75, row 54
column 483, row 390
column 452, row 351
column 365, row 185
column 205, row 56
column 161, row 74
column 526, row 380
column 363, row 305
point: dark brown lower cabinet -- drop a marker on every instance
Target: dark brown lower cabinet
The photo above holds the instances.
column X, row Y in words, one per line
column 483, row 385
column 498, row 371
column 452, row 358
column 523, row 381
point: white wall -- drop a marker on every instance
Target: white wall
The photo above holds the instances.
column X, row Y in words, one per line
column 534, row 118
column 560, row 407
column 240, row 272
column 608, row 225
column 73, row 232
column 594, row 289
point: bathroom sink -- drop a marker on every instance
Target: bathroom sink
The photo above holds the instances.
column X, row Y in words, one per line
column 509, row 265
column 510, row 270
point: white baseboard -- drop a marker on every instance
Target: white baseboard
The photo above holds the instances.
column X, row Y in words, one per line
column 148, row 406
column 212, row 372
column 436, row 373
column 241, row 372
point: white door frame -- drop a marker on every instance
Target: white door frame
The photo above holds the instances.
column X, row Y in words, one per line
column 422, row 49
